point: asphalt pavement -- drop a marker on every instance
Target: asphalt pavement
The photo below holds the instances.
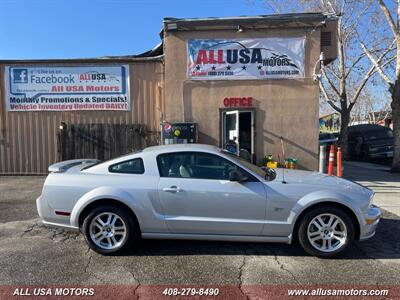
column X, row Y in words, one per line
column 34, row 254
column 377, row 177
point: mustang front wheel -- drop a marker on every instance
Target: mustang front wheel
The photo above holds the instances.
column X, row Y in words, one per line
column 326, row 231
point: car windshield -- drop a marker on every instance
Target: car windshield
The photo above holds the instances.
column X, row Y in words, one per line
column 241, row 161
column 378, row 134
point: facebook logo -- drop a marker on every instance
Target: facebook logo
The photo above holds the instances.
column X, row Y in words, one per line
column 20, row 75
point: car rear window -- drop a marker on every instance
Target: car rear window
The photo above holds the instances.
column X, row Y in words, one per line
column 103, row 162
column 132, row 166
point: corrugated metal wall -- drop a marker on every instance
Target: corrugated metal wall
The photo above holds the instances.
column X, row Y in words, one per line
column 28, row 140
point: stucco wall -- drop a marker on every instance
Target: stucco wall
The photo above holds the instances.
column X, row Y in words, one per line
column 287, row 108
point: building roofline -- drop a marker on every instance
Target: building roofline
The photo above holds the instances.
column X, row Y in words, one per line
column 297, row 19
column 173, row 24
column 272, row 17
column 105, row 59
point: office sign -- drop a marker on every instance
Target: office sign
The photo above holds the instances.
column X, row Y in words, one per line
column 258, row 58
column 42, row 88
column 238, row 101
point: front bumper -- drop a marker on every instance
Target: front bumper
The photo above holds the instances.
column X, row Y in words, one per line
column 370, row 223
column 380, row 155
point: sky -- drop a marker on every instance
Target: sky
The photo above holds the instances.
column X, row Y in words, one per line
column 36, row 29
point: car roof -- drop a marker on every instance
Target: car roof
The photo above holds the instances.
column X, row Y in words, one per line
column 154, row 150
column 182, row 147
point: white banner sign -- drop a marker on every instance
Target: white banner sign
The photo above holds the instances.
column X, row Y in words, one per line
column 67, row 88
column 261, row 58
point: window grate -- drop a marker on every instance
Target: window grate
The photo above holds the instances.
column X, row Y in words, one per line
column 326, row 39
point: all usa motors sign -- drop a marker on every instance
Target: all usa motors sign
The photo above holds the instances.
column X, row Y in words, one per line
column 67, row 88
column 259, row 58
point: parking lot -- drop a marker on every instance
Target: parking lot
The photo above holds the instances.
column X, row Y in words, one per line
column 33, row 254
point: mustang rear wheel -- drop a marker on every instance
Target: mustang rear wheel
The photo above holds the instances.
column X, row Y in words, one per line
column 326, row 231
column 109, row 230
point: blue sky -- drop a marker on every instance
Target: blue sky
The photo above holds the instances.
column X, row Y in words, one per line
column 90, row 28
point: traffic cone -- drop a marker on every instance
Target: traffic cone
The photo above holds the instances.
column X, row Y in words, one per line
column 339, row 162
column 331, row 160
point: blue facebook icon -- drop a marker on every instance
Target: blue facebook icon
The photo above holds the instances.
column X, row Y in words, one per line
column 20, row 75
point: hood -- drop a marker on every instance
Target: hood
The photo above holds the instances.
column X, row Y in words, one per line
column 320, row 180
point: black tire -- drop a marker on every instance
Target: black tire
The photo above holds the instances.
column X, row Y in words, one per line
column 305, row 221
column 132, row 229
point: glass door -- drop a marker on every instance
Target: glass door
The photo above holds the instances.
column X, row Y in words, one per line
column 230, row 131
column 238, row 132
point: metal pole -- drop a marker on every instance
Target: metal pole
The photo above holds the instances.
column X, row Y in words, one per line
column 322, row 158
column 162, row 128
column 339, row 162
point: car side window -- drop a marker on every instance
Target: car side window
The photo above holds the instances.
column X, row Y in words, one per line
column 198, row 165
column 132, row 166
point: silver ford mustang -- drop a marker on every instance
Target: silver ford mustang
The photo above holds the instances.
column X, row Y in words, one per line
column 202, row 192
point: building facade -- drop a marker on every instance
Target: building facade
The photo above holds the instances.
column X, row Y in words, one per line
column 29, row 140
column 249, row 82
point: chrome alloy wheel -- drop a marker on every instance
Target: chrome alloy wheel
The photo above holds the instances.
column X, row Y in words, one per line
column 327, row 232
column 107, row 230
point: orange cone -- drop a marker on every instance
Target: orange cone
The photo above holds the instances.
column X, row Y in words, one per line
column 331, row 160
column 339, row 162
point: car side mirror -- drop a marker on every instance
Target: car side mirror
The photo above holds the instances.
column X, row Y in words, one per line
column 270, row 174
column 235, row 175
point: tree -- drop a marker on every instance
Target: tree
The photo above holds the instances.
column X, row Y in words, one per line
column 347, row 78
column 392, row 80
column 372, row 107
column 343, row 81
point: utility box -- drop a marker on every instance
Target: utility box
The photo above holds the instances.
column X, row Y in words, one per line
column 180, row 133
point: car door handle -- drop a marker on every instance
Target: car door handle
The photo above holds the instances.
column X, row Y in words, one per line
column 172, row 189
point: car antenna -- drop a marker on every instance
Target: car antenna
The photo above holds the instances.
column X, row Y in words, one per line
column 283, row 157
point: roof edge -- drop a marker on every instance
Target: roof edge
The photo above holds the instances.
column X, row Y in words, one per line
column 105, row 59
column 273, row 18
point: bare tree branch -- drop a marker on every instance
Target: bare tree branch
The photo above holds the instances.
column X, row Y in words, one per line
column 328, row 5
column 392, row 59
column 356, row 19
column 374, row 68
column 361, row 86
column 328, row 100
column 341, row 62
column 330, row 82
column 377, row 62
column 389, row 18
column 352, row 24
column 355, row 62
column 331, row 71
